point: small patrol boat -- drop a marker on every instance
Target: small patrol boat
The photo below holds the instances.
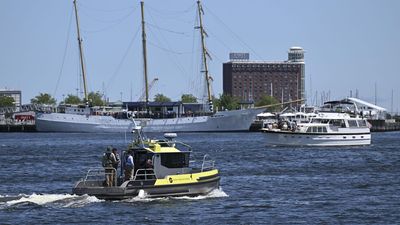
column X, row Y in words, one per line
column 171, row 172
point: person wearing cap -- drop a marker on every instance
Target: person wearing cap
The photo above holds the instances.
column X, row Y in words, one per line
column 108, row 162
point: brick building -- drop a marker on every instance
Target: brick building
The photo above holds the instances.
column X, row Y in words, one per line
column 250, row 80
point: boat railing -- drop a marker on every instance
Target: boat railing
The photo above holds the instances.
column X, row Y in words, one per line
column 207, row 164
column 145, row 174
column 188, row 148
column 93, row 174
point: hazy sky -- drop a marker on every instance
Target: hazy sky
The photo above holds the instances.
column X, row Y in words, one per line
column 350, row 45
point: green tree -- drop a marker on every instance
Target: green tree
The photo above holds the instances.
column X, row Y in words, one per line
column 6, row 101
column 188, row 98
column 72, row 99
column 43, row 98
column 228, row 102
column 95, row 99
column 268, row 100
column 161, row 98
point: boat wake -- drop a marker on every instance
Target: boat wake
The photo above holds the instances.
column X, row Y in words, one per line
column 52, row 200
column 143, row 197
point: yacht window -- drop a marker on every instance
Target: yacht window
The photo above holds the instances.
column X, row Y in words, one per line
column 324, row 130
column 362, row 123
column 352, row 123
column 319, row 129
column 309, row 130
column 315, row 129
column 175, row 160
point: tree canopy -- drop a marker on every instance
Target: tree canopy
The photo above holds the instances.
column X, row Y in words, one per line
column 43, row 98
column 266, row 100
column 226, row 101
column 95, row 99
column 6, row 101
column 72, row 99
column 188, row 98
column 161, row 98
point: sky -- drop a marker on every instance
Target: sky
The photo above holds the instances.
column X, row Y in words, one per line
column 352, row 46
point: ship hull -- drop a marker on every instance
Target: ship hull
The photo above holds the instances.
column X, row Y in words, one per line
column 224, row 121
column 61, row 122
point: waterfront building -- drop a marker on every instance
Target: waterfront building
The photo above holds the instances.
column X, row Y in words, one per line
column 249, row 80
column 15, row 94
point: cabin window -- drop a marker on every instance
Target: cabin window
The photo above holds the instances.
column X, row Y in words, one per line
column 324, row 130
column 352, row 123
column 309, row 130
column 175, row 160
column 362, row 123
column 319, row 129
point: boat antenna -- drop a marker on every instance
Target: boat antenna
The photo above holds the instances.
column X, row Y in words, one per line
column 81, row 55
column 205, row 54
column 144, row 55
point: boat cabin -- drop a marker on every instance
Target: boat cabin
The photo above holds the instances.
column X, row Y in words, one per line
column 154, row 159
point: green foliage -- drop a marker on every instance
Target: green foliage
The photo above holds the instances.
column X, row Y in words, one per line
column 95, row 99
column 6, row 101
column 161, row 98
column 268, row 100
column 43, row 98
column 72, row 99
column 188, row 98
column 227, row 102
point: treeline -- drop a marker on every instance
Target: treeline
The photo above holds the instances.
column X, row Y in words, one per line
column 223, row 102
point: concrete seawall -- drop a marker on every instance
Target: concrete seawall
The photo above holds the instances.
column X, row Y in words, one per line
column 17, row 128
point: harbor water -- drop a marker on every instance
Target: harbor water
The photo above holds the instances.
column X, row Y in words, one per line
column 259, row 184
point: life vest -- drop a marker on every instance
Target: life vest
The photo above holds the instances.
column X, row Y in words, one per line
column 107, row 160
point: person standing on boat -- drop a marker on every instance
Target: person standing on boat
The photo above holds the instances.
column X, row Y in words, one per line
column 108, row 162
column 128, row 166
column 116, row 163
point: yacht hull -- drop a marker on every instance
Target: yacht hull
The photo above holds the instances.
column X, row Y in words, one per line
column 287, row 138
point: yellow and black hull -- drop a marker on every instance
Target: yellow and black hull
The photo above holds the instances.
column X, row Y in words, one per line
column 193, row 184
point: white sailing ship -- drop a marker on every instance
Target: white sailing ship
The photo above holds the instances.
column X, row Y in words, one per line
column 83, row 120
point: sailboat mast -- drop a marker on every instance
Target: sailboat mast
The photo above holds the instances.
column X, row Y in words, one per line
column 204, row 51
column 81, row 54
column 144, row 54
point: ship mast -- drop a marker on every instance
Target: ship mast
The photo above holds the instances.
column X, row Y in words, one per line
column 203, row 34
column 81, row 54
column 144, row 55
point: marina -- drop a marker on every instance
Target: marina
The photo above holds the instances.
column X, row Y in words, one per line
column 199, row 112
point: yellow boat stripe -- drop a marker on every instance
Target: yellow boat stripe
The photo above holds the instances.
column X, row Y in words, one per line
column 184, row 178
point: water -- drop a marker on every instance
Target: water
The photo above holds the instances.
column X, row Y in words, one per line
column 260, row 184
